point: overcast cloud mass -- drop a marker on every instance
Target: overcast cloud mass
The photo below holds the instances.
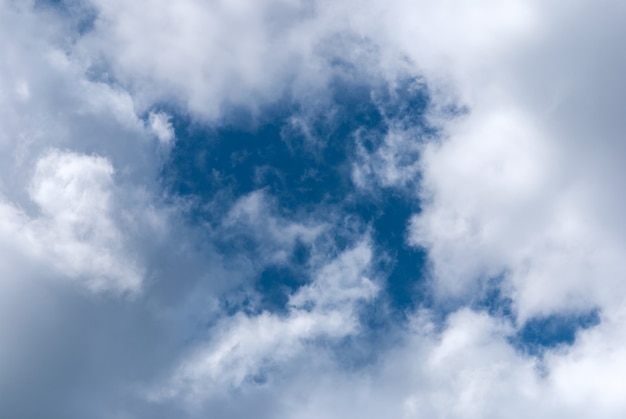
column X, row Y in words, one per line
column 312, row 209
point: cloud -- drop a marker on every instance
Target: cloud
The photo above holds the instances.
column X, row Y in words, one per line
column 76, row 227
column 162, row 127
column 254, row 215
column 243, row 348
column 515, row 162
column 224, row 53
column 508, row 189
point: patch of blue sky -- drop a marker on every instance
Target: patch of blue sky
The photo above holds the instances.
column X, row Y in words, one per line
column 305, row 176
column 539, row 333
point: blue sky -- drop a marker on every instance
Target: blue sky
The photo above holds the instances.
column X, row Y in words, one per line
column 288, row 209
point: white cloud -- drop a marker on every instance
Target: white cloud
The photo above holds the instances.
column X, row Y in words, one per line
column 243, row 347
column 76, row 230
column 526, row 185
column 468, row 370
column 485, row 190
column 516, row 187
column 339, row 283
column 395, row 163
column 162, row 128
column 255, row 215
column 225, row 52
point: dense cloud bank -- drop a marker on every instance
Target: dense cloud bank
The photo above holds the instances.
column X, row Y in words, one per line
column 312, row 209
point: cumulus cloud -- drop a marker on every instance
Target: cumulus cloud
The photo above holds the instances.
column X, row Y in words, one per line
column 244, row 348
column 515, row 163
column 526, row 163
column 76, row 229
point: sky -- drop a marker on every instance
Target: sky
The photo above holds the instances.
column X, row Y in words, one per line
column 312, row 209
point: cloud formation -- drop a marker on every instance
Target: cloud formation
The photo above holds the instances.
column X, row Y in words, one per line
column 206, row 207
